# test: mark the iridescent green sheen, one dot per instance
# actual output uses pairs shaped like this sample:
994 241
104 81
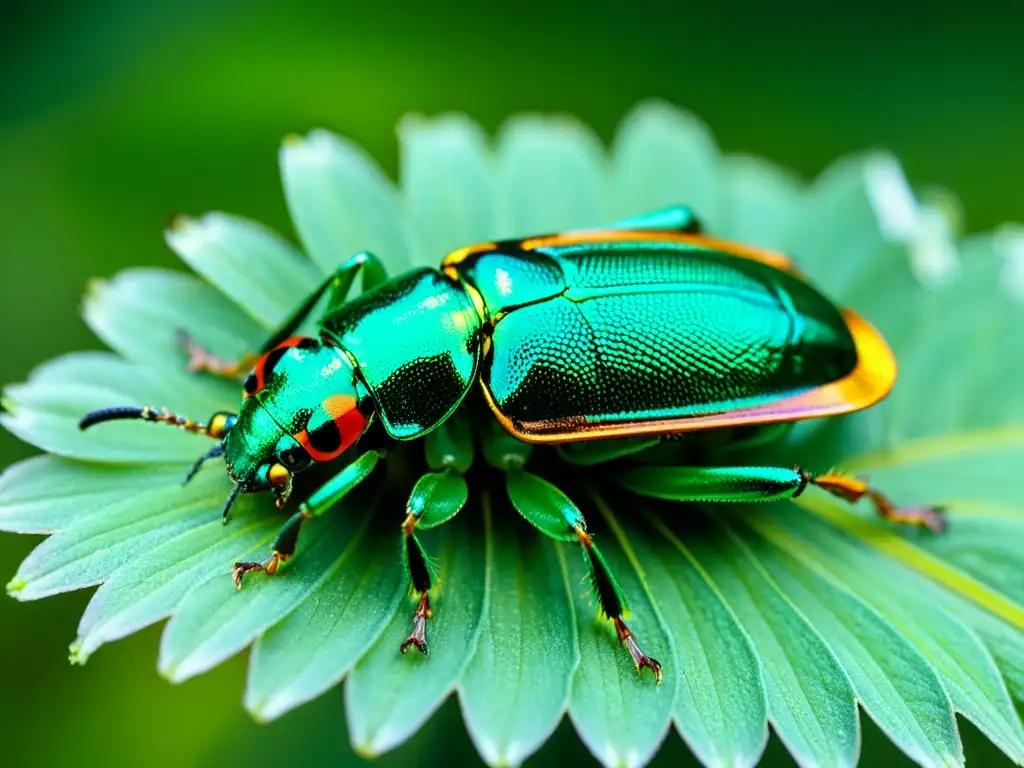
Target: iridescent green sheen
645 331
415 342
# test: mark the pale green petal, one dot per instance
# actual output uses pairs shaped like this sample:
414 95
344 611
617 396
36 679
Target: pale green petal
251 265
665 156
553 176
449 183
342 204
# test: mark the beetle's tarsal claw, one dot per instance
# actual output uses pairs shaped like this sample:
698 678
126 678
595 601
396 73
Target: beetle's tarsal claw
640 659
930 518
270 566
418 636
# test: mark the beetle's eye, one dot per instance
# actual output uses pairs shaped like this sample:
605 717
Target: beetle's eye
295 458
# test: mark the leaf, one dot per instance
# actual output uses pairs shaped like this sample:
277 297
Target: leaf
516 689
215 621
90 551
251 265
138 314
45 494
664 156
380 716
965 667
720 710
552 176
313 648
342 203
810 701
448 181
761 201
45 411
896 686
150 587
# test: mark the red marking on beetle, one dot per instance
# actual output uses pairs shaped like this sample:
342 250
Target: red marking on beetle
257 379
345 417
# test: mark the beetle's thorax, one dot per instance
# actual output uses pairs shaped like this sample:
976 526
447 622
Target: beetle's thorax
302 402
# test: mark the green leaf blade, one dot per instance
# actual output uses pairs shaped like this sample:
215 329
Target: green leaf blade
552 174
313 647
665 156
721 710
251 265
381 717
810 701
897 687
965 666
448 182
215 621
342 203
516 689
621 716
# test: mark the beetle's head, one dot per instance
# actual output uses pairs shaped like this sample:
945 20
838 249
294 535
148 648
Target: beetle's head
302 404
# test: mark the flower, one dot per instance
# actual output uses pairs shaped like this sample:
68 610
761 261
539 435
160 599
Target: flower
794 614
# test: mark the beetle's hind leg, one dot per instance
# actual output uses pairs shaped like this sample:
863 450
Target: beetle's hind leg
201 360
436 498
853 489
336 288
740 484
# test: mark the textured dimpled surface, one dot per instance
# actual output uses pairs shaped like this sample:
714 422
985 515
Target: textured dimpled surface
645 332
415 341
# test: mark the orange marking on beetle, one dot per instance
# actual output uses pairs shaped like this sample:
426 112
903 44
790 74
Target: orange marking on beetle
345 417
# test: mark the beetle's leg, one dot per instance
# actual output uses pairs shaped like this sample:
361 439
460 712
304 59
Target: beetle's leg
535 499
435 499
853 489
675 218
336 288
325 497
737 484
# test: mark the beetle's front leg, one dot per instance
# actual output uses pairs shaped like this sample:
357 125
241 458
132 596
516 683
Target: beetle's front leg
336 288
329 494
435 499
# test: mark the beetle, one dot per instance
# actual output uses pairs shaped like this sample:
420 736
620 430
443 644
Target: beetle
601 341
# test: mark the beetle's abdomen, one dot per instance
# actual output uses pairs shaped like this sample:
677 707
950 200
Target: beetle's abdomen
657 333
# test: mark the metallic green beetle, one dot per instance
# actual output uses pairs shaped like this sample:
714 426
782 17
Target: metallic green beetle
622 335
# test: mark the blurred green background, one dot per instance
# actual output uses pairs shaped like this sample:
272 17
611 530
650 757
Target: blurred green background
115 115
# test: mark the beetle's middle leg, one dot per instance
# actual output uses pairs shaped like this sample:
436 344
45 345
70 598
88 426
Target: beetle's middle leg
534 498
336 287
738 484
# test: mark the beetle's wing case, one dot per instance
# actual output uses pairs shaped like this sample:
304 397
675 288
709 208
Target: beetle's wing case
618 333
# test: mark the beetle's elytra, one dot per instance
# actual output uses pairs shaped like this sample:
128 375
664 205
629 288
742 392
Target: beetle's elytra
642 329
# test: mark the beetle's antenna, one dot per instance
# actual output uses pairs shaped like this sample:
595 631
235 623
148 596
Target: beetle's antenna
217 450
230 502
219 424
